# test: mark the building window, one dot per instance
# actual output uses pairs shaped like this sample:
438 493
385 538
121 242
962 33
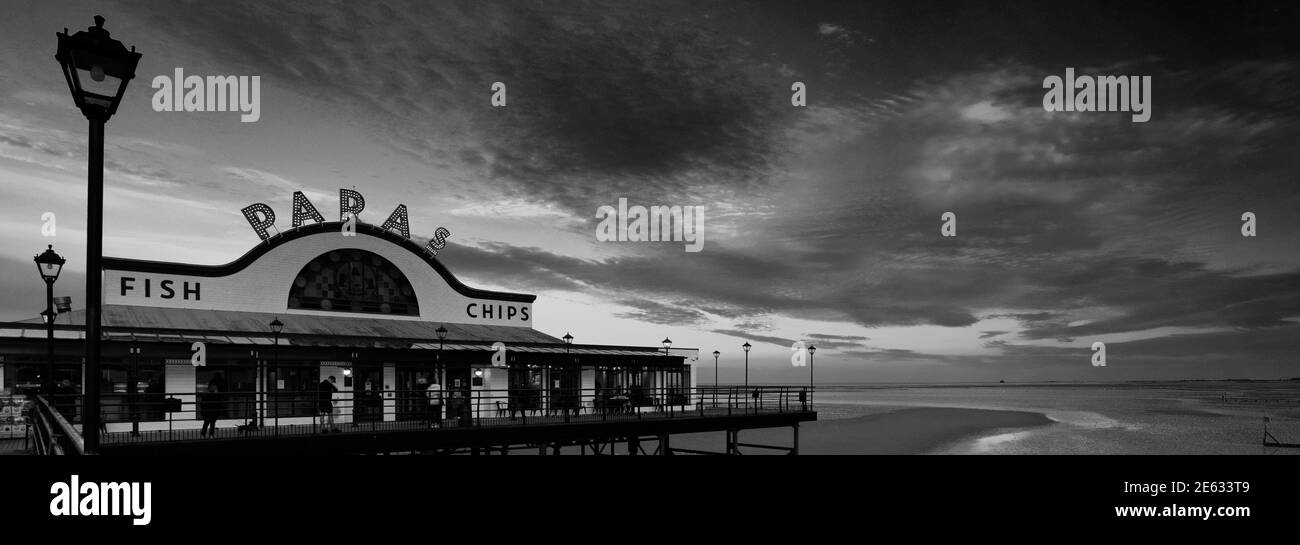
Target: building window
293 390
132 390
526 383
353 281
236 390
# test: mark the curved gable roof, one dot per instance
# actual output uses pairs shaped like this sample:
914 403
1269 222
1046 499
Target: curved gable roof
140 265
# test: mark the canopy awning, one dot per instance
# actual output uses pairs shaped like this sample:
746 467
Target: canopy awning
153 324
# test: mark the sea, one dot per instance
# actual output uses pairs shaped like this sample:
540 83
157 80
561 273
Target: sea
1186 417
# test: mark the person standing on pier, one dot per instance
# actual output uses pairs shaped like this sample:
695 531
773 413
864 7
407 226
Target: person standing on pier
325 402
434 415
209 407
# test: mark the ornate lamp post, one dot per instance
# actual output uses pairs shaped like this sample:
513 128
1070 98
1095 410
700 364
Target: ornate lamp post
97 69
746 348
50 265
667 343
811 370
568 340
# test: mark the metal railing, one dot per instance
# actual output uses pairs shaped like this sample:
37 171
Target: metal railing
50 432
153 417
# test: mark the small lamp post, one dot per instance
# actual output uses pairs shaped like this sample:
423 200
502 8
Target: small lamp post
50 265
262 377
667 343
715 367
47 381
442 336
568 340
133 390
276 327
97 69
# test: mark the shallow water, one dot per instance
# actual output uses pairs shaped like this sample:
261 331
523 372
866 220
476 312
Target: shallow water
1133 418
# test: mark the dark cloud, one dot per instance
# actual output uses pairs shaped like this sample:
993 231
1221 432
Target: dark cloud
824 337
753 326
603 99
752 338
1213 355
888 354
1172 294
835 342
655 312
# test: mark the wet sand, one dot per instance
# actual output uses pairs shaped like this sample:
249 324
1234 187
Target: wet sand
918 430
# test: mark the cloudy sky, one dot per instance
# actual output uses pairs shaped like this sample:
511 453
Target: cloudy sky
822 222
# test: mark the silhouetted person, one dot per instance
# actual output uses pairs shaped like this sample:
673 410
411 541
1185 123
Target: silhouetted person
210 409
434 408
325 403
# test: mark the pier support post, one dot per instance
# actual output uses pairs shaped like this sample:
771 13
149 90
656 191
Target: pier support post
795 451
633 445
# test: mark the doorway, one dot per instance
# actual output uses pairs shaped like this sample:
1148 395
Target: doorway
367 388
459 395
412 382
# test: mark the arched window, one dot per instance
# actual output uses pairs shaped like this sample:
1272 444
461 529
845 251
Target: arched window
353 281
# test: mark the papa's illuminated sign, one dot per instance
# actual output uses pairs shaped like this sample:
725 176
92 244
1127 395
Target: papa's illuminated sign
351 203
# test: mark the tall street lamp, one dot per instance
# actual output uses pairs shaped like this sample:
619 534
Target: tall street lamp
276 327
50 265
568 340
97 69
746 348
667 343
715 377
812 383
715 367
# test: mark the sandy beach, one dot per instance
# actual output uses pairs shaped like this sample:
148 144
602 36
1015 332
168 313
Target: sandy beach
919 430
